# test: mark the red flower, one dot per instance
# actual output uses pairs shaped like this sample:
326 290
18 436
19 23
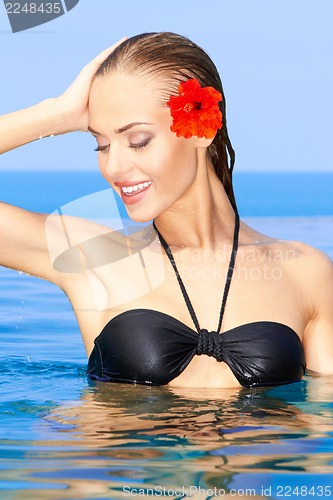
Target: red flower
195 111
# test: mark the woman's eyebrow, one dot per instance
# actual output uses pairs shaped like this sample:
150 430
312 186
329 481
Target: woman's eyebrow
93 131
130 125
120 130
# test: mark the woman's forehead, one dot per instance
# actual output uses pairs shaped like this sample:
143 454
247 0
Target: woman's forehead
124 86
120 99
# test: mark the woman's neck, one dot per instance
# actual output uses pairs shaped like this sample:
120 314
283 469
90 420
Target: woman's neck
202 217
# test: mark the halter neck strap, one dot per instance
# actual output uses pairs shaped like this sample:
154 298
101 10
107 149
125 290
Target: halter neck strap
228 279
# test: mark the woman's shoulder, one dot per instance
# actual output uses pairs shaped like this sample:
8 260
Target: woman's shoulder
302 256
313 261
310 269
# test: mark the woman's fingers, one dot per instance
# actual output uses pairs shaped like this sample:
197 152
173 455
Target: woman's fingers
97 61
88 71
74 101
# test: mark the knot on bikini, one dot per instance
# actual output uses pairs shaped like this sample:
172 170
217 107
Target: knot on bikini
209 343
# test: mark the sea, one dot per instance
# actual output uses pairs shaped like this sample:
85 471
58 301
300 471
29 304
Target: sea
65 437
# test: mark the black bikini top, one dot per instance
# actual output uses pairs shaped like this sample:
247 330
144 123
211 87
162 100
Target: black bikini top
150 347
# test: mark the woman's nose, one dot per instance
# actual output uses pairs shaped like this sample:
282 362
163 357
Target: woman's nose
116 165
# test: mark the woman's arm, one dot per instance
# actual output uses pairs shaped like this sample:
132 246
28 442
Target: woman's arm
29 124
59 115
23 243
318 336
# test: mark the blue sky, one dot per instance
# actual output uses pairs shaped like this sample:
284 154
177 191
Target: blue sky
274 57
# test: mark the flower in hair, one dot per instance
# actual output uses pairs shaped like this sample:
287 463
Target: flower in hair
195 111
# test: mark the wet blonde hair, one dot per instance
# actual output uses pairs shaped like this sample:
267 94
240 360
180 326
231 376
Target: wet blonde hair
175 58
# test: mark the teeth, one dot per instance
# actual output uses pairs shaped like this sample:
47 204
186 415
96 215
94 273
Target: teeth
135 187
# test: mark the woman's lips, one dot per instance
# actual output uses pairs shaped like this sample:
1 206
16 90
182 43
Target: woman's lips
132 193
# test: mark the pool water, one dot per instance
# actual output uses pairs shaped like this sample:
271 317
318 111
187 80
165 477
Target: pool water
63 436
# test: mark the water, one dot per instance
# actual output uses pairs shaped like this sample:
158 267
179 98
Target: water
258 194
62 436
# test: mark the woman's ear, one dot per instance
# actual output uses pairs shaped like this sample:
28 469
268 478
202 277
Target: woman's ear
202 142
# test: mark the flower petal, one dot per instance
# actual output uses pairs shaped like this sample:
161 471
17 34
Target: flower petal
195 111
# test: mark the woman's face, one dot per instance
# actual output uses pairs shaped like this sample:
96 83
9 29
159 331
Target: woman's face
145 163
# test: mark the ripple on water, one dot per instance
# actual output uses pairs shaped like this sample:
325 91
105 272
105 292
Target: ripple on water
62 436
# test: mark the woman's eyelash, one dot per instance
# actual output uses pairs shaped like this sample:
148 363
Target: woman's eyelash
136 147
101 148
139 147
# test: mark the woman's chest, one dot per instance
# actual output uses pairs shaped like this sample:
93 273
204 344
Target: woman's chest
257 291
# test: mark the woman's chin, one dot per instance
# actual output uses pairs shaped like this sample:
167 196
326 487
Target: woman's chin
140 217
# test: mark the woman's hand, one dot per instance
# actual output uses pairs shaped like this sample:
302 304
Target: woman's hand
53 116
73 103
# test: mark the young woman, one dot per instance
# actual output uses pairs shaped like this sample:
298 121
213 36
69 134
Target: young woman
155 104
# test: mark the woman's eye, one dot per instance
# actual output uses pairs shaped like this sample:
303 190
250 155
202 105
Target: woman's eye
139 146
102 149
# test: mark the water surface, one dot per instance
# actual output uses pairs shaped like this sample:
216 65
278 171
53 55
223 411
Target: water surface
62 436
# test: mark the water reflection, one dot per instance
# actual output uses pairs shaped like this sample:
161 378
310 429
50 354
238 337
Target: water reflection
121 436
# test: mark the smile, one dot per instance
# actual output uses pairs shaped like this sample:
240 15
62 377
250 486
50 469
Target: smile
131 190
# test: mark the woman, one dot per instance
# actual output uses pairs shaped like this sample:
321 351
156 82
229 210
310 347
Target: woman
157 110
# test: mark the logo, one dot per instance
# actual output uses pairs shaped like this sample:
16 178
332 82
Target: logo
120 260
24 15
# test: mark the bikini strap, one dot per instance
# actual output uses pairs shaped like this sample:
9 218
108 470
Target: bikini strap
228 279
230 270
